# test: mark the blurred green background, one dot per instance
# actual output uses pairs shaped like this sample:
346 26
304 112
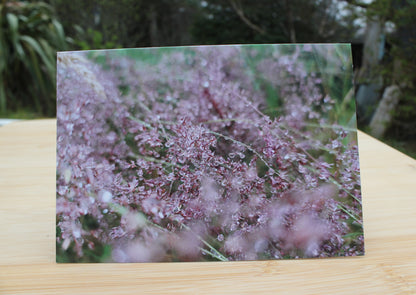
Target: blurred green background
382 33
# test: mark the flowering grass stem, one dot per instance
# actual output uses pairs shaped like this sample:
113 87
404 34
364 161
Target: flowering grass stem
247 147
345 210
214 252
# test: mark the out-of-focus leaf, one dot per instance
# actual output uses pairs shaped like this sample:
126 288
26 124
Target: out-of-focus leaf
60 35
49 52
36 47
13 23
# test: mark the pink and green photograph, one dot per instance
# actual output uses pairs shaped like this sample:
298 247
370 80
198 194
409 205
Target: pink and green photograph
207 153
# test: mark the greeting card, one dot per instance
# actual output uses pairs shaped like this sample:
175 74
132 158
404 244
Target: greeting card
207 153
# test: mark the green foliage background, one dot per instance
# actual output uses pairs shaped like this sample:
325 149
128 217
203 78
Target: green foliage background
32 31
30 35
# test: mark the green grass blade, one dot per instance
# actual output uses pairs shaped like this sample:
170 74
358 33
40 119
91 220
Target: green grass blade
13 24
38 49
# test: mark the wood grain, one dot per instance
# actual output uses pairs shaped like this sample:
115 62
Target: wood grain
27 236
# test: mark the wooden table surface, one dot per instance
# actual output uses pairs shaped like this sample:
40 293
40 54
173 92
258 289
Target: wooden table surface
27 236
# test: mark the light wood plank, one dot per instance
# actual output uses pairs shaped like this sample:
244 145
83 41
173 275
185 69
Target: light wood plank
27 236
